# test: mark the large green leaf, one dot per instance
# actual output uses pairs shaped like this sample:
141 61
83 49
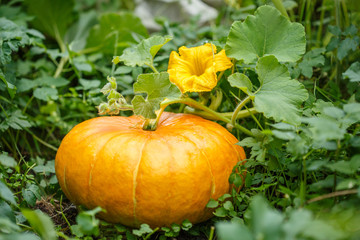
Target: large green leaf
266 33
41 223
51 17
143 53
279 96
6 194
77 34
115 26
157 86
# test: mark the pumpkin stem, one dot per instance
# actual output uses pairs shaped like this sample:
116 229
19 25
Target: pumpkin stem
151 124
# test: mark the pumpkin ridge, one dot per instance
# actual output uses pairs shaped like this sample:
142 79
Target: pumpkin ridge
135 177
213 187
169 162
95 156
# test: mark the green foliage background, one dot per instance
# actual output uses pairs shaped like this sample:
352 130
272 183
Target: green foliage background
303 161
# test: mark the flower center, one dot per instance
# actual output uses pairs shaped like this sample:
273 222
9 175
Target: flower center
199 67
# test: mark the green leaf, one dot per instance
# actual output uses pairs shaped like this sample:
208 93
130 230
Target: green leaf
283 126
6 194
6 211
46 93
355 162
353 72
87 222
232 231
89 84
9 86
143 107
334 30
115 26
51 81
41 223
175 227
8 226
76 230
82 66
212 204
346 184
19 236
76 36
238 181
257 149
12 37
16 120
266 32
350 31
241 81
123 70
144 229
322 231
279 96
333 112
143 53
346 46
341 166
325 128
7 161
284 135
186 225
298 221
352 116
223 197
313 58
157 86
31 193
220 212
228 206
52 17
265 221
26 84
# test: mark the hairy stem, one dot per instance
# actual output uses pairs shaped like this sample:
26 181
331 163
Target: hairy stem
151 124
206 115
238 108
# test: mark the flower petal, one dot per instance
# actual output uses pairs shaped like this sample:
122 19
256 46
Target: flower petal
193 83
222 62
194 69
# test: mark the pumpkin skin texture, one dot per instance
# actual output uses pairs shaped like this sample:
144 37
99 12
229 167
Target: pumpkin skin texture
156 177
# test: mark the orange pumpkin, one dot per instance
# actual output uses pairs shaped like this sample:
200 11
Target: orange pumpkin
155 177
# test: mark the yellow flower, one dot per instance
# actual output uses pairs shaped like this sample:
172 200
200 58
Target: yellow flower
194 70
